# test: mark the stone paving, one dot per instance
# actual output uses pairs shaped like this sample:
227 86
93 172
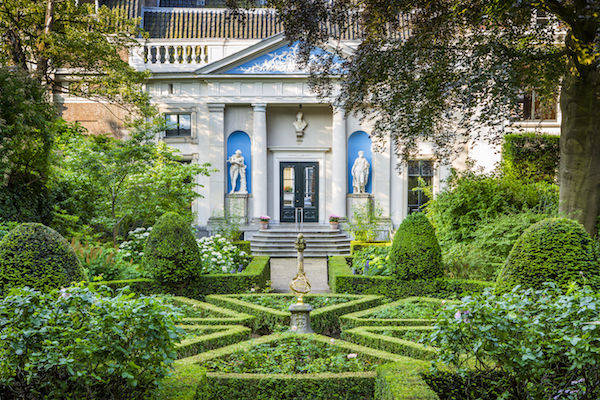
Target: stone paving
284 269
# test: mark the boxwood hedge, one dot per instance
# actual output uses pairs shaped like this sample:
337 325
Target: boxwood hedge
361 318
378 337
415 251
219 315
552 250
323 320
216 336
341 280
321 386
39 257
256 275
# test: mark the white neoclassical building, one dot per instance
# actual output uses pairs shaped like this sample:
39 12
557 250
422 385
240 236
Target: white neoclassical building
232 91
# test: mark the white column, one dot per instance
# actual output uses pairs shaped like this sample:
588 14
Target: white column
216 195
339 162
259 161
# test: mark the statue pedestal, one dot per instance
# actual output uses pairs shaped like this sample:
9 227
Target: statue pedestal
359 201
300 319
236 207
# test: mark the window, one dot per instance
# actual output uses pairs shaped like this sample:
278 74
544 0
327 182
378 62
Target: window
207 3
178 125
532 108
417 170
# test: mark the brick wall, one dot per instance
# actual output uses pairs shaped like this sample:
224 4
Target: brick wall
97 118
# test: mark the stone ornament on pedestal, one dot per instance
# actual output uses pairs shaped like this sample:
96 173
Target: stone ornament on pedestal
300 126
300 318
360 173
237 170
237 207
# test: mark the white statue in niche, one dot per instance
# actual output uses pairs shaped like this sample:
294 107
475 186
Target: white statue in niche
360 173
300 125
237 170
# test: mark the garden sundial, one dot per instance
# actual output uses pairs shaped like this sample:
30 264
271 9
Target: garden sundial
300 318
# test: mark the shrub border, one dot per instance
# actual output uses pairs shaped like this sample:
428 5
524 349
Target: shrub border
223 335
372 336
356 319
233 317
324 319
256 274
341 280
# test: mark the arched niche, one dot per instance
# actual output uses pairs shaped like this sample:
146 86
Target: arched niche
239 140
358 141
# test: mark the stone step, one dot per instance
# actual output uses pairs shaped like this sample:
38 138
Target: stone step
294 254
295 234
309 242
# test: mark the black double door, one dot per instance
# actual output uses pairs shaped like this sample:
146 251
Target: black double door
299 191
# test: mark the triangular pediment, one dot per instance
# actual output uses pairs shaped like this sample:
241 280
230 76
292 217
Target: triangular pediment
272 56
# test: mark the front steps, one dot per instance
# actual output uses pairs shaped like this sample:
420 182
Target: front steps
321 241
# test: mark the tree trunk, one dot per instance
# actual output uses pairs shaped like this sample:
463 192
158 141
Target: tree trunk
579 173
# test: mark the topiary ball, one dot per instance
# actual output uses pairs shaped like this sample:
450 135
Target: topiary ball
415 252
171 255
39 257
553 250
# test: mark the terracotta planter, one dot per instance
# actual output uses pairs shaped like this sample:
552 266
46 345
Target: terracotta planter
264 225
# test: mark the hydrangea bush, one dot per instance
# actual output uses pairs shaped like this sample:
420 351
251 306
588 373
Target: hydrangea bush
84 343
133 247
219 255
545 344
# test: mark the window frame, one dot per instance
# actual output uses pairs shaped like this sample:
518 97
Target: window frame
178 129
422 198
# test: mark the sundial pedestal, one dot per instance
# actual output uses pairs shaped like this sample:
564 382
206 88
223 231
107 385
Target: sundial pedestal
300 319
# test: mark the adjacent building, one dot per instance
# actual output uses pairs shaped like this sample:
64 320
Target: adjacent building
233 95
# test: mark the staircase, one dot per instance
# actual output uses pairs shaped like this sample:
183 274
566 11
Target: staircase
321 241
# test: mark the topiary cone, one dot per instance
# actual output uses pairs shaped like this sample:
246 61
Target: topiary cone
553 250
37 256
171 254
415 252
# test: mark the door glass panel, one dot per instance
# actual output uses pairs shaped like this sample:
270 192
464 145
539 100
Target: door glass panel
309 187
288 186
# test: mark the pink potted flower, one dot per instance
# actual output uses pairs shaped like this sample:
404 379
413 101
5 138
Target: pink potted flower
334 221
264 221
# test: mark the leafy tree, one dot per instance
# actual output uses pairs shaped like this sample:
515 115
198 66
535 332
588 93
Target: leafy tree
26 138
449 71
43 37
120 184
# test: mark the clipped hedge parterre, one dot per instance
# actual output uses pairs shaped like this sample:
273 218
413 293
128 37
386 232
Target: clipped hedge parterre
212 337
383 338
323 320
365 317
217 315
319 386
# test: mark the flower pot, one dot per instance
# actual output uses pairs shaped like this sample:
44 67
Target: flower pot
264 225
334 225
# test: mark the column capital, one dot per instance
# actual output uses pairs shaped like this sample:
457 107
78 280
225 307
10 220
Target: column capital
259 107
216 107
